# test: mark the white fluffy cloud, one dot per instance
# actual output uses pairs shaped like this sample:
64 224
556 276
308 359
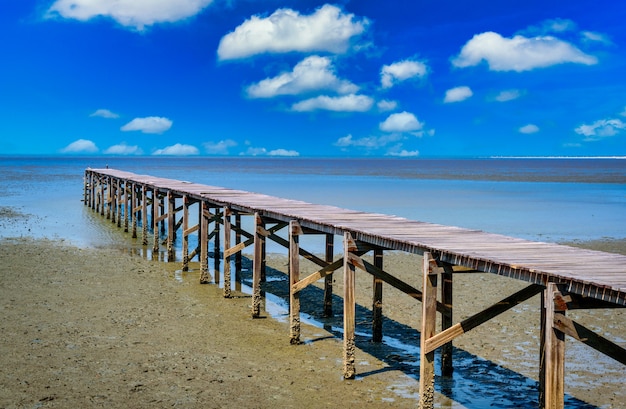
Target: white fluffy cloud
601 129
386 105
123 149
283 152
177 150
457 94
401 71
129 13
403 153
150 124
311 74
401 122
369 142
219 148
105 113
519 53
508 95
346 103
80 146
529 129
327 29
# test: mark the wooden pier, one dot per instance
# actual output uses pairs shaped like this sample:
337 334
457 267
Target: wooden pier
568 278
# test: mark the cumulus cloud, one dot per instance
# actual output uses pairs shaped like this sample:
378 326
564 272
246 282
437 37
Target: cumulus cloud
508 95
283 152
401 122
135 14
386 105
123 149
457 94
219 148
403 153
368 142
529 129
177 150
150 124
554 25
401 71
80 146
311 74
105 113
519 53
346 103
601 129
327 29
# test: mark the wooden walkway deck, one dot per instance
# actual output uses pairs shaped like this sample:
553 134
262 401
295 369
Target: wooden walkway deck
568 277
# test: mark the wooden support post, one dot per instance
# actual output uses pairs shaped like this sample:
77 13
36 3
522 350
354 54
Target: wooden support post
294 276
144 215
185 234
163 211
238 258
349 308
102 199
119 203
429 319
107 201
328 279
257 264
227 256
377 300
204 242
446 319
554 351
155 222
171 225
216 247
133 213
113 200
127 206
263 255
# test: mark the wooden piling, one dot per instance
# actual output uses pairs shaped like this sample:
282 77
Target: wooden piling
294 276
554 351
328 279
447 367
227 256
185 233
429 319
204 243
257 264
349 308
377 299
171 225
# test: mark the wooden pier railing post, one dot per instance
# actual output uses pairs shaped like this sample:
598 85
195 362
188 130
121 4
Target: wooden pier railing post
257 264
554 351
349 308
227 256
377 300
429 319
294 276
328 279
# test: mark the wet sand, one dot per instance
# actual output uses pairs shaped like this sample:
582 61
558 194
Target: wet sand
107 328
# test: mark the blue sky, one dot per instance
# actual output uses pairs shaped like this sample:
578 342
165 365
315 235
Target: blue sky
309 78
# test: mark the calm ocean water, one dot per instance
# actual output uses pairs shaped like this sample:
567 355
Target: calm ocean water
537 199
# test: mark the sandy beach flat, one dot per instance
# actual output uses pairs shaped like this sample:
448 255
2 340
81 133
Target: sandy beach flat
106 328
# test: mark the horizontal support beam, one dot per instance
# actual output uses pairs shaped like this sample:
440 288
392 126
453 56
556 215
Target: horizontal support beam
474 321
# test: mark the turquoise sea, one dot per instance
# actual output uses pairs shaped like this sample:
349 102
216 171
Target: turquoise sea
538 199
